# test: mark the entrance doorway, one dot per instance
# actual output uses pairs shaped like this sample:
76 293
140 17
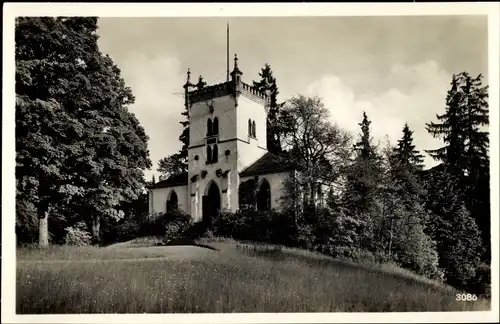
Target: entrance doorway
211 203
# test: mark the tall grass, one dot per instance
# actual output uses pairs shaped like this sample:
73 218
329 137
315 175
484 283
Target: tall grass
148 280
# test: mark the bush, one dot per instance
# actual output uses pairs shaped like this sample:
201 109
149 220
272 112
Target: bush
129 229
481 284
175 224
78 235
252 225
416 251
227 224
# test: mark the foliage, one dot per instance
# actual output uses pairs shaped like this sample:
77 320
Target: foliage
172 165
175 224
274 130
78 235
317 148
127 230
364 177
77 145
463 129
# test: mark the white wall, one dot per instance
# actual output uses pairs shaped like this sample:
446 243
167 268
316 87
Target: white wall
277 185
250 150
158 199
224 111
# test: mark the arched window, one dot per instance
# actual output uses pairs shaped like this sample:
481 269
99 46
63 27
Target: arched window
254 133
209 127
172 202
249 127
215 153
209 153
215 126
264 196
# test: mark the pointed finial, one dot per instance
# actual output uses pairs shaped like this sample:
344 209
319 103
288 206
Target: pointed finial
236 71
188 82
201 83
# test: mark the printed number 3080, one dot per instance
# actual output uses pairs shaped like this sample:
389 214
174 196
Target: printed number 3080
466 297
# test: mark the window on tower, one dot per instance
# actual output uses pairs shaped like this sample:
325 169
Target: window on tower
254 133
209 154
249 127
215 126
212 154
215 154
209 127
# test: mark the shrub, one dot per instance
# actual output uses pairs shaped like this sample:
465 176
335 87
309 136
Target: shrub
153 225
175 224
78 235
481 284
252 225
128 230
227 224
414 250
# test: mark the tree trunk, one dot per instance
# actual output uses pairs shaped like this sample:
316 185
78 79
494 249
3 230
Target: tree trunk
390 240
43 228
96 227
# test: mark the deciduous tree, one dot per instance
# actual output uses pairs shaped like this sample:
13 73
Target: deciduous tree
78 147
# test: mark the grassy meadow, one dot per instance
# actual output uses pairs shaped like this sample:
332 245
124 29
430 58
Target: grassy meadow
140 278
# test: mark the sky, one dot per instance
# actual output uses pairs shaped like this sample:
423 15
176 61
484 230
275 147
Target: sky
397 68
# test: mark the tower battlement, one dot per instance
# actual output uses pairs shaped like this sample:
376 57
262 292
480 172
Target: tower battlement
227 88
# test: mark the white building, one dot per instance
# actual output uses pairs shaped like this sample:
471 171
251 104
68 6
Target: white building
227 146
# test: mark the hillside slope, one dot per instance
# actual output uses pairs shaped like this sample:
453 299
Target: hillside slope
236 278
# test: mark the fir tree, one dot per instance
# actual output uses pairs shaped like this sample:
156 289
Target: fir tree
364 178
406 163
465 153
274 134
405 152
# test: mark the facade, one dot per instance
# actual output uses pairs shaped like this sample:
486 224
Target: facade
227 148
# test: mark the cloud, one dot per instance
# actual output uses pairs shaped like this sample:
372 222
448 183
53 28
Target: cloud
156 82
412 94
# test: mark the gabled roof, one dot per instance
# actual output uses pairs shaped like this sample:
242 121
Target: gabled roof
180 179
268 163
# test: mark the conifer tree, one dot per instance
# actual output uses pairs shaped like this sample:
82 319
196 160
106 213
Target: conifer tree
274 134
406 164
405 215
364 178
465 153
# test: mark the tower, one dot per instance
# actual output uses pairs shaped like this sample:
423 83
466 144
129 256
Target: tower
227 124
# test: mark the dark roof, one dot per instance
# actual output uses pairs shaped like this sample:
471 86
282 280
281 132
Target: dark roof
175 180
268 163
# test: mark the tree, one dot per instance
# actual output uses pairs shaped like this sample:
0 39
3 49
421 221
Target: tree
171 165
318 148
274 133
455 231
465 153
364 173
406 164
178 162
363 187
402 231
79 151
